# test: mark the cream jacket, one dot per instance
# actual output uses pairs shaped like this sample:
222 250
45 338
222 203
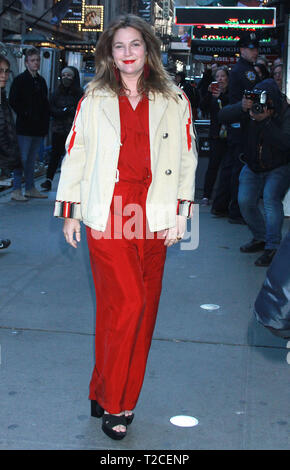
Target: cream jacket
89 170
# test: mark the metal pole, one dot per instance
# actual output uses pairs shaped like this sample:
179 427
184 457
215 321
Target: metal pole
40 18
1 24
286 59
7 8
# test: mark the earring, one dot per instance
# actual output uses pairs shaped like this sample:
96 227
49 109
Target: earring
146 70
116 72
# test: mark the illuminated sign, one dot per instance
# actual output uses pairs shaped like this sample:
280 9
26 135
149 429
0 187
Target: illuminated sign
93 18
234 17
144 9
87 17
227 48
75 14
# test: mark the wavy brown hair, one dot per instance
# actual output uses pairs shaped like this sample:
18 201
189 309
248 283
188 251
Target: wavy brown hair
157 81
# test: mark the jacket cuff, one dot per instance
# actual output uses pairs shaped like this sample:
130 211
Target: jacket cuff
67 209
184 207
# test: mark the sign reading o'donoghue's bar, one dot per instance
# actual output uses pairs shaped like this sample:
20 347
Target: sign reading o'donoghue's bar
227 48
234 17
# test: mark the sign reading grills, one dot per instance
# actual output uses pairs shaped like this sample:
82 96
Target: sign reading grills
234 17
144 9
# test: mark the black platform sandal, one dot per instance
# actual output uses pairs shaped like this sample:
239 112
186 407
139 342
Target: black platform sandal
109 422
97 412
129 418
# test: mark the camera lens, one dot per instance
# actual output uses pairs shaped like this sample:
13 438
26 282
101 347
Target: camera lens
257 108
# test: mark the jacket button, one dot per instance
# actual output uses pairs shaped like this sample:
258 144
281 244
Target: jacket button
168 172
165 135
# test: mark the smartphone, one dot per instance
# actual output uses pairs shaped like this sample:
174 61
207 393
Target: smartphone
214 87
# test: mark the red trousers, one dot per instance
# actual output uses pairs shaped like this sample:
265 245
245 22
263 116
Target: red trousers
128 277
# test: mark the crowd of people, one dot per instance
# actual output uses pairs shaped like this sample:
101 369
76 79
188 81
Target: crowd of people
249 146
21 142
133 109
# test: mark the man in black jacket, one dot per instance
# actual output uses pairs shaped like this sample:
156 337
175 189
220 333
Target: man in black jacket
266 173
28 98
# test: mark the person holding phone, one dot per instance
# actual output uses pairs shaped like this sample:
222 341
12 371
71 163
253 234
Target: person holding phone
215 99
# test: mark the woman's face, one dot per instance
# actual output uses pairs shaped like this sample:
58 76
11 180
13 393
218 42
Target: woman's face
129 52
277 75
4 74
222 79
259 73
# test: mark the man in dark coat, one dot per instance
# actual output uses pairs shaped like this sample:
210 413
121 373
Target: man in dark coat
28 98
189 90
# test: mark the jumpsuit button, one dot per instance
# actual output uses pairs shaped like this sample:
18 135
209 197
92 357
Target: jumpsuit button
168 172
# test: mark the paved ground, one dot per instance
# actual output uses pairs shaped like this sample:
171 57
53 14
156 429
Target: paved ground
220 367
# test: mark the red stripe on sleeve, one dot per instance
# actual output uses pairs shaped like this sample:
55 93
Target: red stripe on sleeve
72 140
189 143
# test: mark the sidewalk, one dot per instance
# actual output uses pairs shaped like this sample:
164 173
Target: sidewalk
220 367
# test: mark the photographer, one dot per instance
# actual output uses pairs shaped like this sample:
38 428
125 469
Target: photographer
265 124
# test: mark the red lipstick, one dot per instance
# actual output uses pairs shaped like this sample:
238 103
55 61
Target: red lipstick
128 61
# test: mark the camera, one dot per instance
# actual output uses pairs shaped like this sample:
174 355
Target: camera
259 98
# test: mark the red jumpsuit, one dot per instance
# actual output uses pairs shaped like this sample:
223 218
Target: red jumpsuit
127 270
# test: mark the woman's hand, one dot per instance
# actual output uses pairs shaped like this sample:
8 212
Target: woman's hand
72 227
246 104
216 93
175 234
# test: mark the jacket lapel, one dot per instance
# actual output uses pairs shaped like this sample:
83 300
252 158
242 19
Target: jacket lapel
157 107
111 110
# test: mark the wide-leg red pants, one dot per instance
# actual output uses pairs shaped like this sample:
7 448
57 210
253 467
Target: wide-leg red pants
128 278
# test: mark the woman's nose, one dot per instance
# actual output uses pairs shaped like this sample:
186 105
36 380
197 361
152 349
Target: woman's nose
128 50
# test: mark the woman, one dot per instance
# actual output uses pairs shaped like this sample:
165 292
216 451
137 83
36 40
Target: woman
9 150
216 98
278 75
130 150
262 71
63 104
